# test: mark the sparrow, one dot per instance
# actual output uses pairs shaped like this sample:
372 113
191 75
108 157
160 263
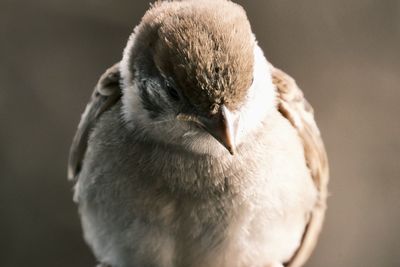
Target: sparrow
195 151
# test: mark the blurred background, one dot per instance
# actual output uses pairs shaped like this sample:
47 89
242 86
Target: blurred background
344 55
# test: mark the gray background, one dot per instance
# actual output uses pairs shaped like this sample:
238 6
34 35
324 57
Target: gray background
344 54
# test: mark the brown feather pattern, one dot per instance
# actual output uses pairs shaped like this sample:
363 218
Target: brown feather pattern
106 93
206 46
294 107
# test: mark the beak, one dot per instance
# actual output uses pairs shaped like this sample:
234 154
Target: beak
222 126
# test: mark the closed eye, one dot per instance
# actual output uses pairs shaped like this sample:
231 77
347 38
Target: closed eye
172 92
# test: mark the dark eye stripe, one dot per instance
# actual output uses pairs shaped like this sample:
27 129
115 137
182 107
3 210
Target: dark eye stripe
172 92
149 103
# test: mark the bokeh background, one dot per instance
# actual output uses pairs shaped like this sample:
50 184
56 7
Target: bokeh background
344 54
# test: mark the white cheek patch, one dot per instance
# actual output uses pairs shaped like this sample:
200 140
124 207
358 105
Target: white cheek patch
124 67
130 100
261 98
132 107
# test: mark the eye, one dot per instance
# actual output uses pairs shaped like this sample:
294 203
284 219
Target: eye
172 91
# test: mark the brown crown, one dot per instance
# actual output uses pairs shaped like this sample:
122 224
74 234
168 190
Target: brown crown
205 46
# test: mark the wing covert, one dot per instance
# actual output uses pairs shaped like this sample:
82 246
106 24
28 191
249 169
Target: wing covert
295 108
106 93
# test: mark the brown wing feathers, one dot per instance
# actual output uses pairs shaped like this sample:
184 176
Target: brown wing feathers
299 112
106 93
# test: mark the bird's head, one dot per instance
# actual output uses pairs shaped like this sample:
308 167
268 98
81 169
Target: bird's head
187 71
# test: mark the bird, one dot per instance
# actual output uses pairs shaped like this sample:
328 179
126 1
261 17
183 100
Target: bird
195 151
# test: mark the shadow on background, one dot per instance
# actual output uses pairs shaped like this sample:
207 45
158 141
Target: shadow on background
344 54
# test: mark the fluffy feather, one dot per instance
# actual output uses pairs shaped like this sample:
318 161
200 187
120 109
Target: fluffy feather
154 191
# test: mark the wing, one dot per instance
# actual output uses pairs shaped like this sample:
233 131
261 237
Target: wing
294 107
106 93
